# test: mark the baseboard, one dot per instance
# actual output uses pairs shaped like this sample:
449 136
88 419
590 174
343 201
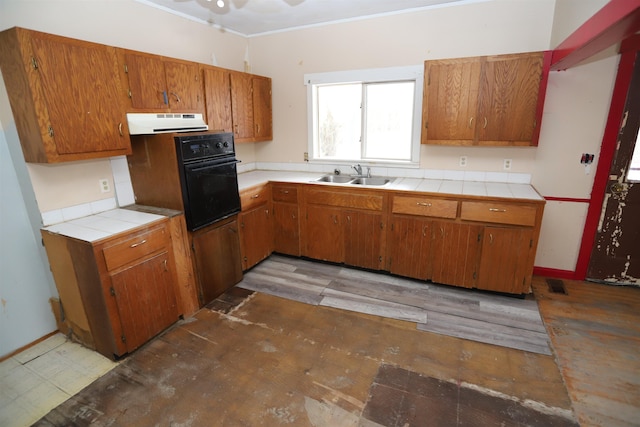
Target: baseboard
555 273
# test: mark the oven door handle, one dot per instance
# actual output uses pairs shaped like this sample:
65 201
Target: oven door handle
195 167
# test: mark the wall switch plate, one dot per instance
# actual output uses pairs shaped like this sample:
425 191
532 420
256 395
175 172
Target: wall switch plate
463 161
104 185
507 164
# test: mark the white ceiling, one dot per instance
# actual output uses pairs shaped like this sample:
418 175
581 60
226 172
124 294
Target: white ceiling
250 17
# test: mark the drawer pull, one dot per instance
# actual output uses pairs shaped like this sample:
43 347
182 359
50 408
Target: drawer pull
255 196
284 191
497 210
138 244
424 204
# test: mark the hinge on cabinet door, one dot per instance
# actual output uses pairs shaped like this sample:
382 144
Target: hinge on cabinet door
474 275
391 226
193 247
426 125
34 63
129 93
126 68
123 338
50 130
479 237
531 243
381 225
112 291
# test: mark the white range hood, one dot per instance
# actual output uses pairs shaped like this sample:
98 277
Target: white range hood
152 123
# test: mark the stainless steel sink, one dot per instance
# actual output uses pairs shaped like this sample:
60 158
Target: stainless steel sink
338 179
375 180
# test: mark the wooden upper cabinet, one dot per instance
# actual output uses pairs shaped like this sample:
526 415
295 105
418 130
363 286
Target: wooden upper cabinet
493 100
157 84
217 94
262 109
65 97
251 107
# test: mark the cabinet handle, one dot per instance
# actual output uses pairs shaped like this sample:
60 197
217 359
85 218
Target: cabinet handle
470 121
255 196
348 219
284 191
293 216
335 219
484 126
491 238
120 129
176 96
257 128
164 96
442 232
424 204
266 212
138 244
497 210
164 263
424 231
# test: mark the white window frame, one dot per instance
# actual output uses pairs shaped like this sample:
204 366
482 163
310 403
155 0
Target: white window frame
375 75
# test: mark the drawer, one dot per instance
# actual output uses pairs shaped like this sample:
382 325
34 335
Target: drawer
254 196
425 206
132 248
284 193
501 213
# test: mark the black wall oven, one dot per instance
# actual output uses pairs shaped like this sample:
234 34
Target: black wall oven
208 177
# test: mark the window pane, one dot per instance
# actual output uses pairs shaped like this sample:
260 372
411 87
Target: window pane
339 121
389 108
634 169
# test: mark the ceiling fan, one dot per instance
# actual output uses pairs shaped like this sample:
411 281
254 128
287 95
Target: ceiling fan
224 6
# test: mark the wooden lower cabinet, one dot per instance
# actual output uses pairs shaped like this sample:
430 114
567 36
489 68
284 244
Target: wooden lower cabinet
410 247
504 262
119 292
363 231
324 237
455 253
256 235
286 228
217 258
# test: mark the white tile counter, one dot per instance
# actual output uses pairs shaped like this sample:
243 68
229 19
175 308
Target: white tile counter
442 186
102 225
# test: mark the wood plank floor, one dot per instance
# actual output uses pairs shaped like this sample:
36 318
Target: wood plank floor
469 314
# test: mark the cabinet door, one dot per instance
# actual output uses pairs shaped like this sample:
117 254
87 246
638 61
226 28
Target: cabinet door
509 89
217 87
218 260
410 247
286 236
262 111
363 239
242 106
503 264
450 101
147 83
456 248
145 299
81 86
324 233
184 86
256 238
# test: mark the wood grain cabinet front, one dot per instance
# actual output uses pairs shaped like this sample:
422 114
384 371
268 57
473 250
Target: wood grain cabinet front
251 107
119 292
256 225
489 100
156 83
286 219
65 95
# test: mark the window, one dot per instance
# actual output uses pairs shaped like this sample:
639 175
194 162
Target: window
634 167
370 116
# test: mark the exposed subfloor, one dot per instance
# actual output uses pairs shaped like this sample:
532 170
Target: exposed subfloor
252 359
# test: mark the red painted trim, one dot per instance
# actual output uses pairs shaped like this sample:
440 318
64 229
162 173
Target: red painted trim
630 43
554 273
616 21
566 199
542 93
607 152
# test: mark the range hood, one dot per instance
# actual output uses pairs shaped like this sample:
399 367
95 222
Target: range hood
152 123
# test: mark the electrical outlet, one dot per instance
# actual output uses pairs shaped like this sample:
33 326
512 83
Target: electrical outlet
306 156
104 185
507 164
463 161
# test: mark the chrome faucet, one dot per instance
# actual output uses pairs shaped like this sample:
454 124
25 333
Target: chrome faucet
358 169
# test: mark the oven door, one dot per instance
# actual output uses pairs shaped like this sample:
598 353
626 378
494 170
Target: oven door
210 191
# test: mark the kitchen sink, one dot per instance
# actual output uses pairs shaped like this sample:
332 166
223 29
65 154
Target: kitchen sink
338 179
370 181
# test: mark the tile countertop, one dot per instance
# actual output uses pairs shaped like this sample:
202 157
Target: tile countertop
104 224
442 186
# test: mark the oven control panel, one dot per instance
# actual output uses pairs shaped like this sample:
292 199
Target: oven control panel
200 146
